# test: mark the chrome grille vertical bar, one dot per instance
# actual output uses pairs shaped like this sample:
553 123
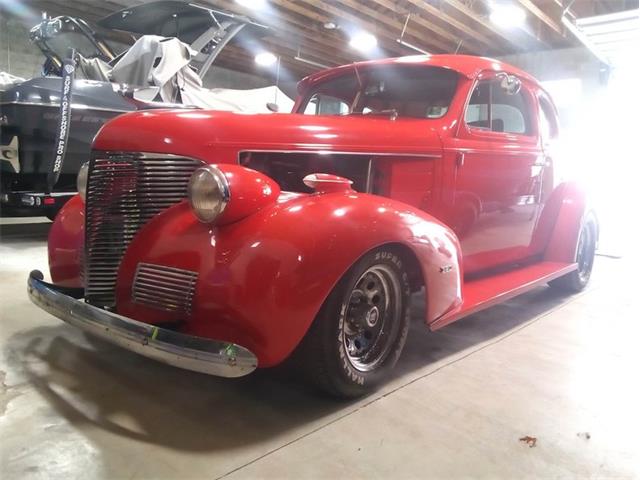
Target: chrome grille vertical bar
164 288
124 191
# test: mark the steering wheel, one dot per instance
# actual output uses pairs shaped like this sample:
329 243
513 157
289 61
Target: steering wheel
51 68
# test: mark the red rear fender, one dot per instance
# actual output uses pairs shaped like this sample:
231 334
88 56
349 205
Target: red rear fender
568 215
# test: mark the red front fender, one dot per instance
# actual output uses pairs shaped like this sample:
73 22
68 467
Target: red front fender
262 280
66 244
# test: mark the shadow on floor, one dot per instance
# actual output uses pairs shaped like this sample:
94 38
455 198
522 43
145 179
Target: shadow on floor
92 383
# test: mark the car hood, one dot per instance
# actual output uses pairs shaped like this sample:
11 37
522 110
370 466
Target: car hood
218 137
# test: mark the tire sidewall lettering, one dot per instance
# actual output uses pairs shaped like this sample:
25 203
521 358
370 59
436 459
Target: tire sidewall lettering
352 374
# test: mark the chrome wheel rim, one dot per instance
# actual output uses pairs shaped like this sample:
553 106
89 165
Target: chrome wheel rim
585 254
370 317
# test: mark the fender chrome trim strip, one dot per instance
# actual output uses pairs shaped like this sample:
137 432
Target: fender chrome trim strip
199 354
324 151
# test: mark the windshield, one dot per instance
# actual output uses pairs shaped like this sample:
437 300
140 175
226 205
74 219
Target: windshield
57 35
61 43
402 90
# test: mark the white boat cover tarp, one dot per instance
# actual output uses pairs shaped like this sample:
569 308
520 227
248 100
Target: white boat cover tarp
7 80
163 63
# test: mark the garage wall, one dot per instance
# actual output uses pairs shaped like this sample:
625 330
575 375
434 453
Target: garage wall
597 131
17 55
573 76
224 78
560 63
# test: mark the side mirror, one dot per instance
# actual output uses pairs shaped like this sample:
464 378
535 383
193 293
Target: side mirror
273 107
509 83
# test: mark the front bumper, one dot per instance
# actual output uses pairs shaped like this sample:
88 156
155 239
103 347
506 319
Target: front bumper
199 354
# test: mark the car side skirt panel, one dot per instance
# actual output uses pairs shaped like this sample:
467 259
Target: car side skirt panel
482 293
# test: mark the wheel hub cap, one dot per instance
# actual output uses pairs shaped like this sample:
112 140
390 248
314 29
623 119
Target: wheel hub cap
372 317
371 310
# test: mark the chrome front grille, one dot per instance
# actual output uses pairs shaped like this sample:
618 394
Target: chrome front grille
165 288
124 192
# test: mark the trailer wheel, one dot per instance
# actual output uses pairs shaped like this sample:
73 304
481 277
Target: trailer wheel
360 332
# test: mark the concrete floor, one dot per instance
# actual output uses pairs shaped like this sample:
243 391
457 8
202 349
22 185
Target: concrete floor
562 370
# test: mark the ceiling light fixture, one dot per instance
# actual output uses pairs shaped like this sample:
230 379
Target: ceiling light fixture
265 59
402 41
253 4
363 41
331 25
507 15
300 58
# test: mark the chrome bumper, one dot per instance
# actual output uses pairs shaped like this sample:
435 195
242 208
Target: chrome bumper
184 351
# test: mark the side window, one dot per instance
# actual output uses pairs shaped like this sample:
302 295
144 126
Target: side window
326 105
477 114
495 108
510 113
548 123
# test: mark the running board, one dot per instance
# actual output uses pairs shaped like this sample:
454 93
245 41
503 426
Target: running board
485 292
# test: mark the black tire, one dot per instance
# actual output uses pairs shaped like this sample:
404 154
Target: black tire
577 280
360 332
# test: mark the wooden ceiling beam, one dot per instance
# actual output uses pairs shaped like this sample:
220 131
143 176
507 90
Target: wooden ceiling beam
395 25
305 35
537 30
468 32
484 22
335 15
321 19
290 50
542 16
388 18
75 9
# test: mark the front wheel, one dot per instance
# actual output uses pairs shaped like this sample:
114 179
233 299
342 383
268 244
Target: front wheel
359 333
577 280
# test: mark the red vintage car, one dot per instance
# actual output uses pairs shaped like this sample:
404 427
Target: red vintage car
222 242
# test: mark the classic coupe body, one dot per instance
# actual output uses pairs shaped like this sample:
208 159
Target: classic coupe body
222 242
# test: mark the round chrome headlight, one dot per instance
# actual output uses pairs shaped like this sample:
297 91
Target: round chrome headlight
81 182
208 193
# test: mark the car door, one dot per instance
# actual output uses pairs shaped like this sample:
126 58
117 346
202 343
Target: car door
498 166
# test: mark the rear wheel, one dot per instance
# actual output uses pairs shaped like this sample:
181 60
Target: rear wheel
358 336
577 280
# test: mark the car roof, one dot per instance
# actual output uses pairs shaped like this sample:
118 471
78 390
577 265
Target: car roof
467 65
